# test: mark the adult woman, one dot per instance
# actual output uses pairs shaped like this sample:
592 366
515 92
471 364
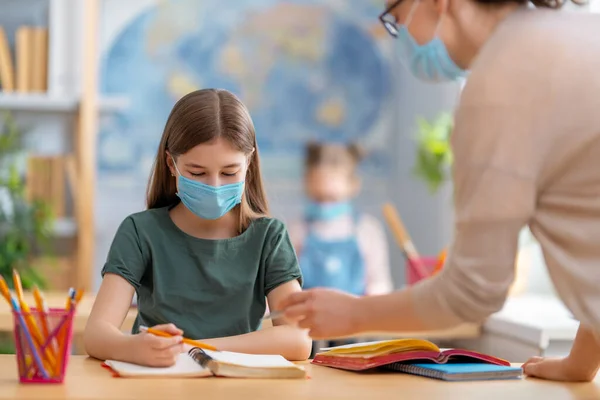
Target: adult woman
527 152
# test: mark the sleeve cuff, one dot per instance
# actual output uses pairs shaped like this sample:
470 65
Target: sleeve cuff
122 272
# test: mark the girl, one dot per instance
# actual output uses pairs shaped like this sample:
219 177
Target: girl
204 255
339 248
526 146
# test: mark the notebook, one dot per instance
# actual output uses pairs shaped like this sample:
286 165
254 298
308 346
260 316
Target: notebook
198 363
369 355
460 371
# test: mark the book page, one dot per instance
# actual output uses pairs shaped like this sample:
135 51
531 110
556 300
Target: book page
377 348
185 366
250 360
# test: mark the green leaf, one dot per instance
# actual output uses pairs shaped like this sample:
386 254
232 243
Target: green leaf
434 154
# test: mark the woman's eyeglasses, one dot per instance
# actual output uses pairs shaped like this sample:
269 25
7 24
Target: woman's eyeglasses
388 20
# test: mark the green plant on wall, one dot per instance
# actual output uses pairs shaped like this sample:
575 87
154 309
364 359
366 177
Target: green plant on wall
25 227
434 155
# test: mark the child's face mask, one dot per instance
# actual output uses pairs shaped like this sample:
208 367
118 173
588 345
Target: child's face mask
206 201
327 211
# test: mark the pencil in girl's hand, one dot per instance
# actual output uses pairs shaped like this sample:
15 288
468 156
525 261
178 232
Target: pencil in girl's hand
274 315
191 342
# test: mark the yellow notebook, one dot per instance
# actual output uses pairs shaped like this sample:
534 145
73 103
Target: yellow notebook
379 348
198 363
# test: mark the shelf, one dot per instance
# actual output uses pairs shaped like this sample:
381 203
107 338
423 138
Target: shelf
64 227
49 103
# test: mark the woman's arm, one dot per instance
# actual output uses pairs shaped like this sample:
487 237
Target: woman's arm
289 341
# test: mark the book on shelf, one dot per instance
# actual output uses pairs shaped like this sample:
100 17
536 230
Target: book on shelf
46 179
200 363
27 70
7 72
417 356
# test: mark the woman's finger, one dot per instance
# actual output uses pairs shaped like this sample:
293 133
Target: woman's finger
295 298
297 312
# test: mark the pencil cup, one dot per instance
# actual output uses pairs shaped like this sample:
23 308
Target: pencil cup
421 268
43 344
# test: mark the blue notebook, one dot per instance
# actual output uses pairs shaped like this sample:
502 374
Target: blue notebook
459 371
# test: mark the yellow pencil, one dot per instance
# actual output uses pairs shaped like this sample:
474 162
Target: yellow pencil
62 335
78 296
5 291
42 308
30 321
191 342
44 312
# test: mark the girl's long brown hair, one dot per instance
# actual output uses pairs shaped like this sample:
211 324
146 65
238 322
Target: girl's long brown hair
200 117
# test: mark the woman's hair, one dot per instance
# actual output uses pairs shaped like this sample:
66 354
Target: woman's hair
538 3
334 155
200 117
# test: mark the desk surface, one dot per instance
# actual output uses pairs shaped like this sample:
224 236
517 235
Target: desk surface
87 380
55 299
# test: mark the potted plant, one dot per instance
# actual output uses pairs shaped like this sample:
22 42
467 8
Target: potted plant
434 156
25 226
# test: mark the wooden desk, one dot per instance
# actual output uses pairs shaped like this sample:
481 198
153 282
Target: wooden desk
87 380
58 300
464 331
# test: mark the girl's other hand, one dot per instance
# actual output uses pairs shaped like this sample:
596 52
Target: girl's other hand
156 351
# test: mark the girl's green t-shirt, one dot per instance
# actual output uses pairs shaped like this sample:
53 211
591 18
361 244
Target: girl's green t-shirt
207 288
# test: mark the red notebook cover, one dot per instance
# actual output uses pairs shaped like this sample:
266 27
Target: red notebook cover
361 364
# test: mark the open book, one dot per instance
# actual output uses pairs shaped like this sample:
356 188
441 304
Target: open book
387 353
199 363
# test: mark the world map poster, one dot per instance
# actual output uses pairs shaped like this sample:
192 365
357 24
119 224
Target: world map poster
305 69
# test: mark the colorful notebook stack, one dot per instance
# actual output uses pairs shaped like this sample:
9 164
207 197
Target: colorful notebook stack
418 357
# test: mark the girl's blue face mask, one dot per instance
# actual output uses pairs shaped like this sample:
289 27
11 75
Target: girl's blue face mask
327 211
206 201
430 61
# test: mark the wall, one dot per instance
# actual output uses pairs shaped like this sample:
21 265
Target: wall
419 210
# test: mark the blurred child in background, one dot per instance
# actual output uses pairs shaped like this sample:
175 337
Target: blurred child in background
338 247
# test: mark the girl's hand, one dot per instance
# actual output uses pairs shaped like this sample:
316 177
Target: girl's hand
557 369
155 351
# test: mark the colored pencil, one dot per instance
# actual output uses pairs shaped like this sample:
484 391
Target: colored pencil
29 339
32 325
44 312
62 335
191 342
43 309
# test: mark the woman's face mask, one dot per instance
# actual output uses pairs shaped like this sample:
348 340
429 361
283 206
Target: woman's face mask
429 61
